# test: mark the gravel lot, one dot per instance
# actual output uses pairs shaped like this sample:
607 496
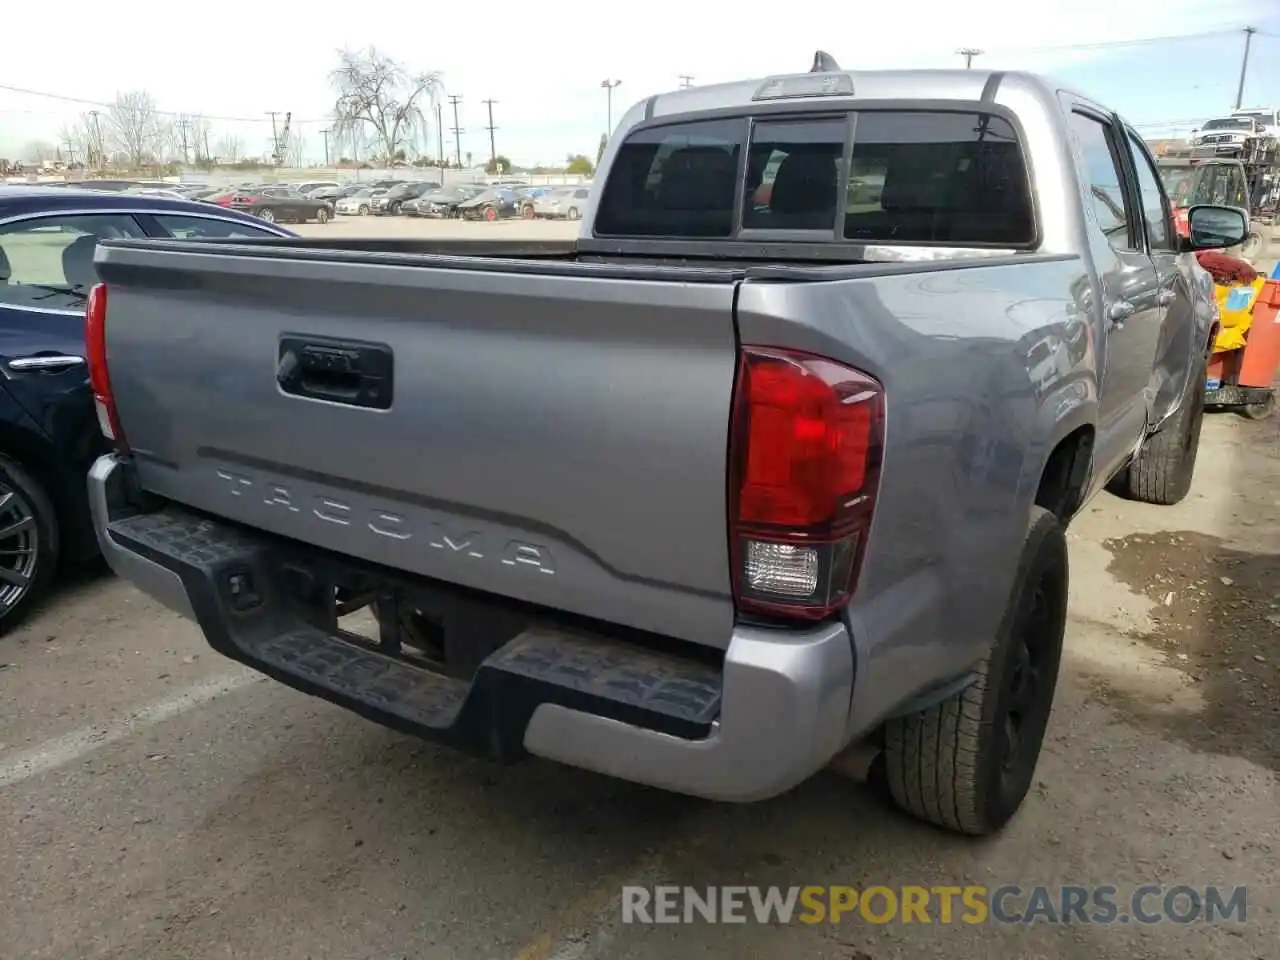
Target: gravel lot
159 802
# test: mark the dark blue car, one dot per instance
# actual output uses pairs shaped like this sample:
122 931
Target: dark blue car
49 433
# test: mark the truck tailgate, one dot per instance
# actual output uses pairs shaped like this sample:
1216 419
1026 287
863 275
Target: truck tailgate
555 435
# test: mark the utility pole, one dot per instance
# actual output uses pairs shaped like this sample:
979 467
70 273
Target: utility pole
969 53
95 158
686 81
183 125
493 150
325 133
456 99
1244 64
71 150
608 89
440 138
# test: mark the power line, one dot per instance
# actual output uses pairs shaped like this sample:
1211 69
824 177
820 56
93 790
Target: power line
83 101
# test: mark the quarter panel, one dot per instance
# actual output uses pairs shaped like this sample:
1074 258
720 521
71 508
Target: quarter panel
972 413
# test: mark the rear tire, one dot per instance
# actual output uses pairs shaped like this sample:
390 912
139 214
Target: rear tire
1260 410
967 763
267 214
364 209
29 543
1162 471
573 213
322 215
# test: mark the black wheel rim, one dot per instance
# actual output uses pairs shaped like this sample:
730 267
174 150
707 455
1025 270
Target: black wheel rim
1025 697
19 547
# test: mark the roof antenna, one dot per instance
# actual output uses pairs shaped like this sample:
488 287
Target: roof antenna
824 62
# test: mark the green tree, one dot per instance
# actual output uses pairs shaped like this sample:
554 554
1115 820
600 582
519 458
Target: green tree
580 163
498 164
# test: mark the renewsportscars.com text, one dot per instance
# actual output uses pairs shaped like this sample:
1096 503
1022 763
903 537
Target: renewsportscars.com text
1007 904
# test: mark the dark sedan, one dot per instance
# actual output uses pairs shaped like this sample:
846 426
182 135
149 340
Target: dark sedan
48 422
281 203
495 204
392 203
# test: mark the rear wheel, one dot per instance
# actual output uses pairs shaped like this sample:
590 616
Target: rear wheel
967 763
1260 410
364 209
267 214
29 542
322 215
1162 471
573 213
394 209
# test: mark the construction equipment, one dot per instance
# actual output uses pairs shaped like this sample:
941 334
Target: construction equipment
1246 357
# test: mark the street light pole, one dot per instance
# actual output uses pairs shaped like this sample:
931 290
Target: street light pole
608 88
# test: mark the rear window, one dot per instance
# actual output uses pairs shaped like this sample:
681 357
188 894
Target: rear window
914 177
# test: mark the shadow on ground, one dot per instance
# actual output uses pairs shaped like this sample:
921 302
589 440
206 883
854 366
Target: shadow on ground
1216 613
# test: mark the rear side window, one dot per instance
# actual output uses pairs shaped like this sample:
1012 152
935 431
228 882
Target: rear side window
674 181
793 174
954 178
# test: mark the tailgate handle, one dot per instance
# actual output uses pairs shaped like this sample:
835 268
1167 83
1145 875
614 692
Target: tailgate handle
348 372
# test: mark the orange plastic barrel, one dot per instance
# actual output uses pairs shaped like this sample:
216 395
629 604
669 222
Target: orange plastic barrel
1261 357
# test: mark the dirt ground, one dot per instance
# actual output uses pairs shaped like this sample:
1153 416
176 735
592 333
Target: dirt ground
158 802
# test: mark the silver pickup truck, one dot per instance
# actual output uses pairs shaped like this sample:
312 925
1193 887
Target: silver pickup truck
773 461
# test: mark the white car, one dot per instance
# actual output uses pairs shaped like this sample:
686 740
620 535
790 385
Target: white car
1226 136
359 203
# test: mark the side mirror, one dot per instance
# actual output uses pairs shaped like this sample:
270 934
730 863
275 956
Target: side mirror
1211 227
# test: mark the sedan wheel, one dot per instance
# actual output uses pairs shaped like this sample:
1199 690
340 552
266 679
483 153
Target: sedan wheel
28 542
364 209
322 215
267 214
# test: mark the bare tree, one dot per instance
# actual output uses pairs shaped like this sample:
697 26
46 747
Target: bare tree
295 148
37 151
199 136
377 94
76 141
135 126
229 147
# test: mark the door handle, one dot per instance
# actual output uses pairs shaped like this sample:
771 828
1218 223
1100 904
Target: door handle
59 361
1120 311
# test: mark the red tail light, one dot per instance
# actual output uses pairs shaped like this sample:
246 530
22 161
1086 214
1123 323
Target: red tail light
95 342
804 471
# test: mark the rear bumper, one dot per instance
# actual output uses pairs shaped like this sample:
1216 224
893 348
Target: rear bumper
771 715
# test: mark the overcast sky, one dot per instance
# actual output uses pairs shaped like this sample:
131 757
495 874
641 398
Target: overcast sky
544 64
